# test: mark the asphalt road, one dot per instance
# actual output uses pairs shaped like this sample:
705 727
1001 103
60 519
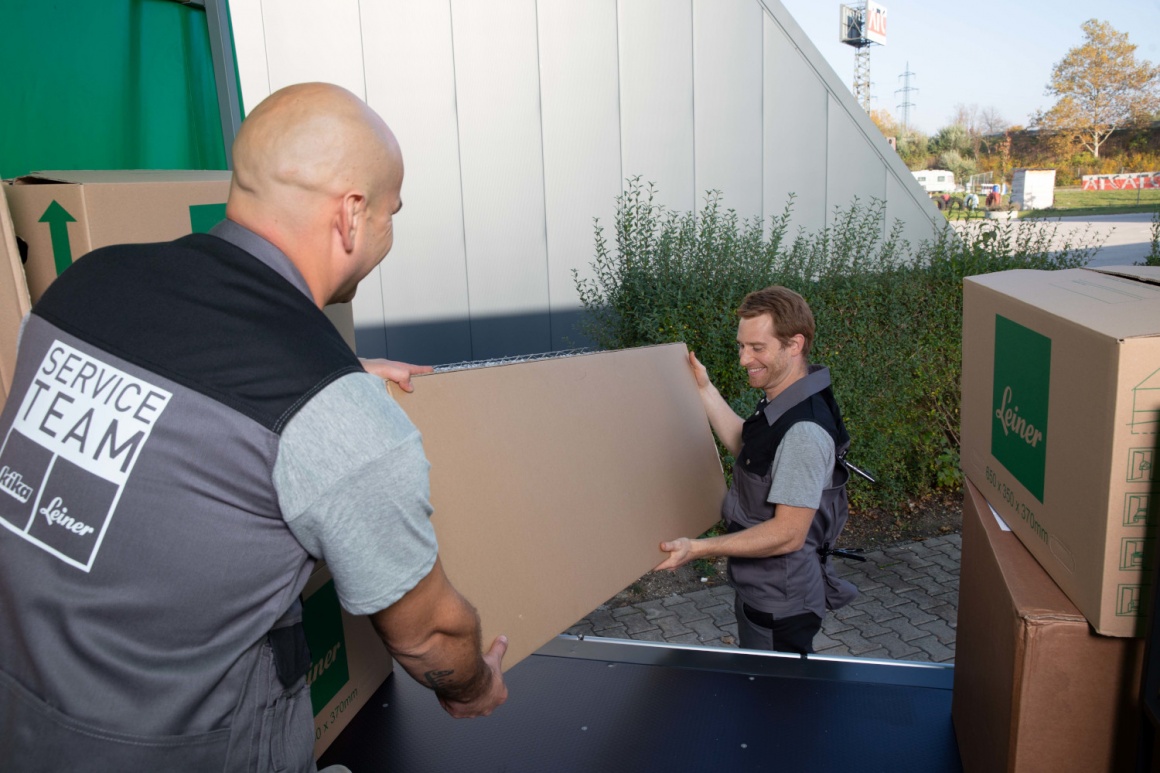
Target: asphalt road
1124 239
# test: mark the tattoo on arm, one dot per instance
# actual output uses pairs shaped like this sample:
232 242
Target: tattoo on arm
438 679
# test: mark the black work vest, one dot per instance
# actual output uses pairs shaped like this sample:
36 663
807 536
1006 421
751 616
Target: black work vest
802 581
144 559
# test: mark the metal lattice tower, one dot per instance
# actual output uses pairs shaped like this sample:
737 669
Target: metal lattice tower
854 34
906 104
862 76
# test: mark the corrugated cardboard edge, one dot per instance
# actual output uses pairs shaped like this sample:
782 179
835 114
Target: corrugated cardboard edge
14 302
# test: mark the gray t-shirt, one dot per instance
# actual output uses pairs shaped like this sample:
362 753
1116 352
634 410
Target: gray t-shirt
802 466
352 480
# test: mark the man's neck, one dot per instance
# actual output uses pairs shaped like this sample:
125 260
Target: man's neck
800 370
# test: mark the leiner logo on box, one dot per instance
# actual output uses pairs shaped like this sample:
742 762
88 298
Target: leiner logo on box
322 620
1019 408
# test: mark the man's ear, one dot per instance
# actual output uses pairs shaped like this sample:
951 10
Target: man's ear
797 343
350 218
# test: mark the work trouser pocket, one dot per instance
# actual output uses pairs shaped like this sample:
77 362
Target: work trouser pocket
37 737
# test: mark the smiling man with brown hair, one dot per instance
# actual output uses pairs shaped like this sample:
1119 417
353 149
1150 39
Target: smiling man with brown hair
787 504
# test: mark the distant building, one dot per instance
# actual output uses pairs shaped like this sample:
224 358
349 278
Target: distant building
935 180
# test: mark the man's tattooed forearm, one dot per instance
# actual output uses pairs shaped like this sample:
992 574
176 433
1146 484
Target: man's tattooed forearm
438 679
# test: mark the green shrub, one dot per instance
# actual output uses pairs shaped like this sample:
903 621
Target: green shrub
889 314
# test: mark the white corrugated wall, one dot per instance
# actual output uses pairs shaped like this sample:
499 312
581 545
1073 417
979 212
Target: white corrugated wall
520 121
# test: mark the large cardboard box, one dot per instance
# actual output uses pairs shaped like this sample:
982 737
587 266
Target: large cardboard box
1060 422
14 301
348 659
1035 689
63 215
554 481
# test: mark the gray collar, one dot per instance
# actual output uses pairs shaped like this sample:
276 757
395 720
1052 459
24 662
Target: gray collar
260 248
816 379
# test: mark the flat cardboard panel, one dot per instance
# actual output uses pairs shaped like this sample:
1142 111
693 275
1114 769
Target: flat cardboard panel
348 659
1035 689
1078 498
14 302
554 481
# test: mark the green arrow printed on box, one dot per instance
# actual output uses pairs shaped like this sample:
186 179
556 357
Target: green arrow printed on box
58 219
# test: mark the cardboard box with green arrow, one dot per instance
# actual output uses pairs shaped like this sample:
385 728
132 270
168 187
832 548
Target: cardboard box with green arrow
63 215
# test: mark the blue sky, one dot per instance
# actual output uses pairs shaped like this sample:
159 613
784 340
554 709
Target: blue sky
983 52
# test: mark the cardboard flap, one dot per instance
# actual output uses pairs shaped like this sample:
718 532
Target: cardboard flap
116 176
554 481
1118 304
1150 274
1036 599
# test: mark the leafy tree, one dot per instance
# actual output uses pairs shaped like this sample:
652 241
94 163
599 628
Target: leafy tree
991 122
913 149
953 137
952 161
1101 87
885 122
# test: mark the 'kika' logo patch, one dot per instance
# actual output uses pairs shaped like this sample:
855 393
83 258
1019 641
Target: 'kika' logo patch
71 449
1020 402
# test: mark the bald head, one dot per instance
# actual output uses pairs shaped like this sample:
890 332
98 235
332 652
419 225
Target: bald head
313 138
313 163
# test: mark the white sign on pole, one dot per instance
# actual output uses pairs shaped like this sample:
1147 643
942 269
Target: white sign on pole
875 29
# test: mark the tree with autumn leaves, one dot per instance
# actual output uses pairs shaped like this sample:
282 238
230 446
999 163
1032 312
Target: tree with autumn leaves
1101 88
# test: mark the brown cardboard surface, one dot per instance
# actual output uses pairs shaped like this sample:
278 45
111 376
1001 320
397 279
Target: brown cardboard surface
1087 525
14 301
554 481
103 208
348 659
1035 689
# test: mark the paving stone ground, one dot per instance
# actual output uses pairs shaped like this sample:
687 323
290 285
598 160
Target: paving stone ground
907 609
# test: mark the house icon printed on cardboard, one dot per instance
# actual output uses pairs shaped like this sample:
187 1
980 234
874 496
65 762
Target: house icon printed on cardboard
1146 406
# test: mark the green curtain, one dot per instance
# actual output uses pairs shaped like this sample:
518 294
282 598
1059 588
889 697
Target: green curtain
114 84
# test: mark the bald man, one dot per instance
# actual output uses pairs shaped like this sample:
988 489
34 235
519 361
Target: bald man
186 435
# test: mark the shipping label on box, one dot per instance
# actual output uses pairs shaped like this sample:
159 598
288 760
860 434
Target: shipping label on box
63 215
1060 423
348 659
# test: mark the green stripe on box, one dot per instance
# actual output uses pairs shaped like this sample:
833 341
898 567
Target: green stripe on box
322 619
203 217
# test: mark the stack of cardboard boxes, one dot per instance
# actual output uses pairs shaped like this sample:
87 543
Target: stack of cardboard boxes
1060 424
